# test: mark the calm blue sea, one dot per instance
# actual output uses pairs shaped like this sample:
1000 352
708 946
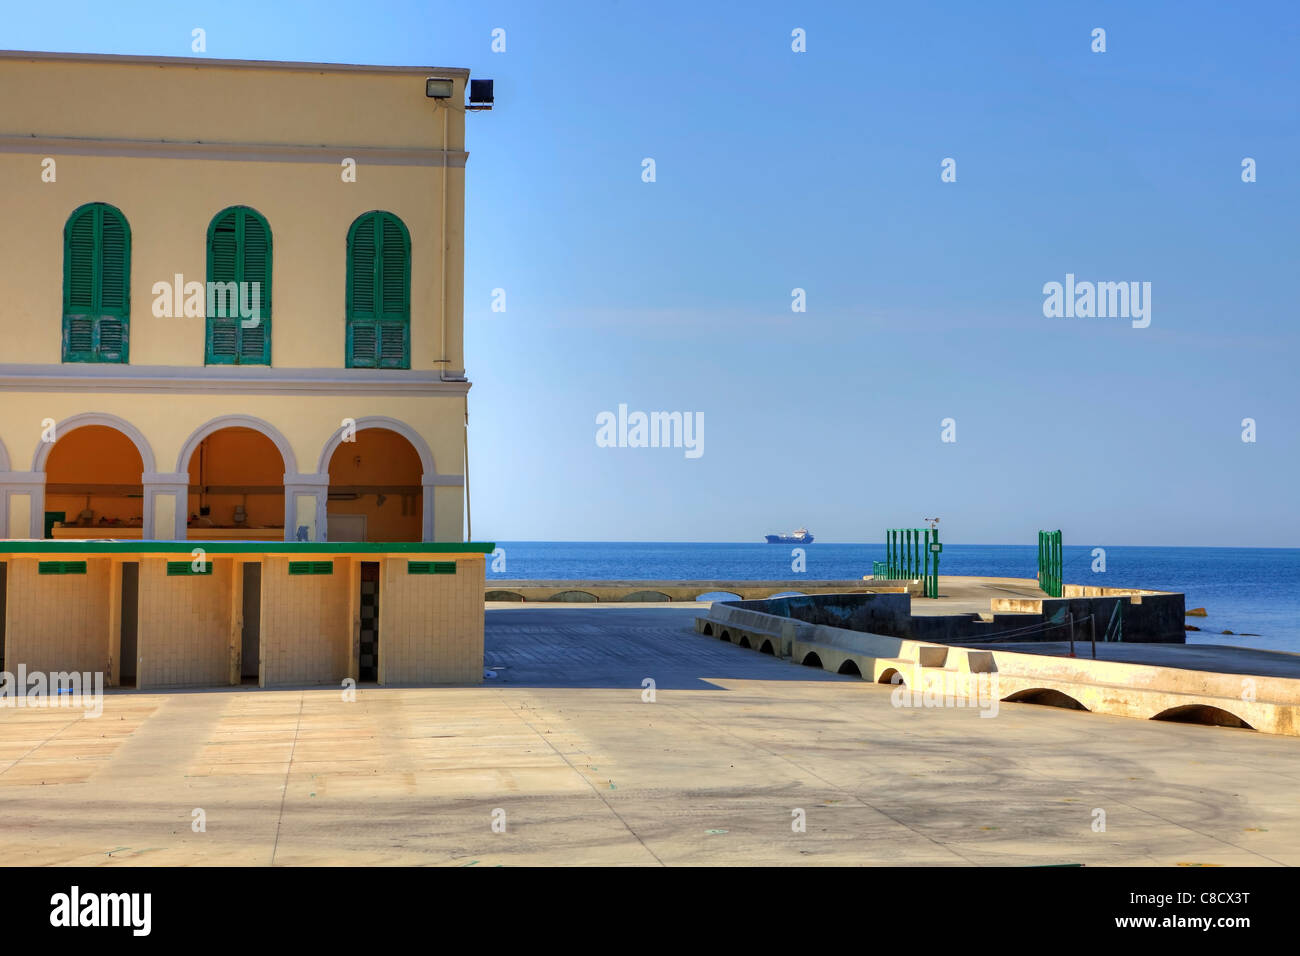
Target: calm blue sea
1254 590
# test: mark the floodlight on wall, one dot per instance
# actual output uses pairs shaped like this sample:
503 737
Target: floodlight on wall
480 95
438 88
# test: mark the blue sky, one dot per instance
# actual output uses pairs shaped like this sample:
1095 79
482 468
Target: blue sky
778 170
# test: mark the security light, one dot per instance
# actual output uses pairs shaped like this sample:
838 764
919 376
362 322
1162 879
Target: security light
437 88
480 93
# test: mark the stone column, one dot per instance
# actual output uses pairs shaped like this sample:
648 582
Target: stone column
430 483
166 506
305 498
22 504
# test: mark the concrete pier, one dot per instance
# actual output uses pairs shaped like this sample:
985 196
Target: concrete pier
872 637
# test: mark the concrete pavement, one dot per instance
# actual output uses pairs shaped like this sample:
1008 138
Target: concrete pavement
587 772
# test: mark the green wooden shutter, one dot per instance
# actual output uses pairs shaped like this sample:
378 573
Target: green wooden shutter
255 341
239 251
61 567
379 293
96 285
115 293
363 266
395 315
80 240
363 336
223 327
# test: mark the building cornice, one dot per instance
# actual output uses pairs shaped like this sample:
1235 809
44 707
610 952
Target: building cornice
236 152
248 380
212 62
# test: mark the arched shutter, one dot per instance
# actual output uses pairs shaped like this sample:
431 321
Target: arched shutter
79 294
223 315
395 266
239 253
255 339
115 293
379 293
96 285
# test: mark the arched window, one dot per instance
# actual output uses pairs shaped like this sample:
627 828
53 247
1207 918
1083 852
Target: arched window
379 292
96 285
239 288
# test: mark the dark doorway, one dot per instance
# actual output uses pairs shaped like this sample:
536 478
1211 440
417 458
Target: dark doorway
250 650
126 674
369 663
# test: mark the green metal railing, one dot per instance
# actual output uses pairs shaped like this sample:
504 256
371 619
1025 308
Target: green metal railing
911 553
1049 562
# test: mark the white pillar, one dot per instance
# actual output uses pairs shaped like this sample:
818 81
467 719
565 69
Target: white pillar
166 506
429 483
28 488
427 503
305 498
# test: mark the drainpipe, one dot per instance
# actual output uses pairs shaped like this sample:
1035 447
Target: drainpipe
469 520
442 258
442 274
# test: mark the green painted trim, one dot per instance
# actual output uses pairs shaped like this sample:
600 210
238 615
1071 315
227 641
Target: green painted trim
61 567
182 569
243 547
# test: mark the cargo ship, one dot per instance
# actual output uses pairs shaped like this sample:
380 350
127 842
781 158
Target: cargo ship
794 537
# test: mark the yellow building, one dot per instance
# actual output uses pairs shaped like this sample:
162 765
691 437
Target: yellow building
232 300
150 615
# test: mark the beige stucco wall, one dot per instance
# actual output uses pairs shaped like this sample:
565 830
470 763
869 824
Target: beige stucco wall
306 422
58 622
184 637
169 202
189 627
202 99
306 633
431 626
270 137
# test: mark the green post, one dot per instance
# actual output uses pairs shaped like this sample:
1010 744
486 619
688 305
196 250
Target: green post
1051 561
1055 558
1051 564
925 562
1058 563
923 539
936 564
1041 566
